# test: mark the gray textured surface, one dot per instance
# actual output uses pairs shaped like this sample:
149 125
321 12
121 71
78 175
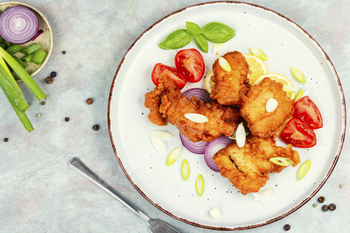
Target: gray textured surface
39 193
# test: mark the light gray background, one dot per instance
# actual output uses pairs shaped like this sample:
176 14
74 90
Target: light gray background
39 193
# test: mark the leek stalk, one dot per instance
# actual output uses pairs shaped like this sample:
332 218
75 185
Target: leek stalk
24 76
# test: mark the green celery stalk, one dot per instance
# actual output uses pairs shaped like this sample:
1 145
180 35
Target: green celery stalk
22 116
13 49
12 93
26 78
30 48
28 57
22 63
8 72
39 57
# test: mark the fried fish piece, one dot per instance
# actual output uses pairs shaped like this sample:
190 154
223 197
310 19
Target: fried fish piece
262 123
248 167
166 102
231 86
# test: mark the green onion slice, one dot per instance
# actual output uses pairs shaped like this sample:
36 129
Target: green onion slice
297 74
304 168
281 161
173 156
200 185
257 52
185 169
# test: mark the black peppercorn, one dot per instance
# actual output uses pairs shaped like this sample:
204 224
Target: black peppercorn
325 208
89 101
6 139
95 127
66 119
49 80
43 102
53 74
286 227
64 52
332 207
321 199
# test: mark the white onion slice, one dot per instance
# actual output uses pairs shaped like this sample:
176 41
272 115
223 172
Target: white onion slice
215 213
217 48
271 105
262 195
164 135
158 143
195 117
240 135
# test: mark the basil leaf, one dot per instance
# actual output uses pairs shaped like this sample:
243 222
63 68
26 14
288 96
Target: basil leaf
176 40
193 28
201 42
218 32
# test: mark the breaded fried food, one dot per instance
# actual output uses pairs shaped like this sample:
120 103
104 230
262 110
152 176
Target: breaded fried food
262 123
231 86
248 168
166 102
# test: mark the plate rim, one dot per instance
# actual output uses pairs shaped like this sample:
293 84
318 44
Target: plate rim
272 220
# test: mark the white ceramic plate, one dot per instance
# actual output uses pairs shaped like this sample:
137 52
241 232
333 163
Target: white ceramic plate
286 44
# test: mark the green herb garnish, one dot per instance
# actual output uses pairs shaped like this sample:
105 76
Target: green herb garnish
214 32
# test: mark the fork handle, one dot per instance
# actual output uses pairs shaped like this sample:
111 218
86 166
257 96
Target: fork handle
77 165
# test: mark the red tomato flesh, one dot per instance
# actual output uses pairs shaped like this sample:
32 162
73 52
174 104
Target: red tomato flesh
299 134
161 69
306 110
191 64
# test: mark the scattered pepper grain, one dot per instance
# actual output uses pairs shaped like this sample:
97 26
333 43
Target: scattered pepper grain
332 207
286 227
47 97
95 127
64 52
325 208
321 199
314 205
341 185
43 102
89 101
53 74
66 119
49 80
6 139
38 115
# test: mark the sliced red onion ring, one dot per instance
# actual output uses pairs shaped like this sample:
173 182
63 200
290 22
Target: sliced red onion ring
199 93
212 148
194 147
18 24
38 34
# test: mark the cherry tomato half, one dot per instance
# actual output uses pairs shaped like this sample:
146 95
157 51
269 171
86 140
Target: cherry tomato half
191 64
161 69
306 110
299 134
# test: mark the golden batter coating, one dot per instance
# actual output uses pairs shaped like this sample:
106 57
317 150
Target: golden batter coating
166 102
262 123
231 86
248 168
